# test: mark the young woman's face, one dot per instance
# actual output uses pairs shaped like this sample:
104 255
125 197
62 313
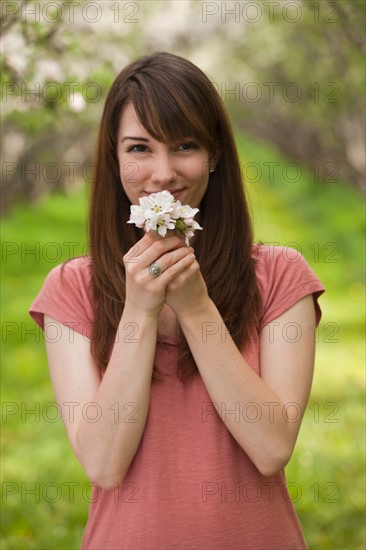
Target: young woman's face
149 166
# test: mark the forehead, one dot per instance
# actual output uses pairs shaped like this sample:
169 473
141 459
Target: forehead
129 122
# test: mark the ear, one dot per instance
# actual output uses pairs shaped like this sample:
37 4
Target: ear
214 158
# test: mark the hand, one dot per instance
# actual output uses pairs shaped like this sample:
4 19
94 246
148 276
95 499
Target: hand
145 293
187 293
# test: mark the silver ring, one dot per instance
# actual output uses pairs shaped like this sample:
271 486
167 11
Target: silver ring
154 270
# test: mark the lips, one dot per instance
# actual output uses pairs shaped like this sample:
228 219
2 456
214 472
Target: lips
174 192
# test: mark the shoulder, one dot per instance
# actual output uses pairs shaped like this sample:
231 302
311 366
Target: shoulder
283 277
66 295
74 273
271 260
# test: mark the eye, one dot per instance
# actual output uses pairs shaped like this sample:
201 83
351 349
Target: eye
137 149
187 146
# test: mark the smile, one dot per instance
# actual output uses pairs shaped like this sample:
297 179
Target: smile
174 192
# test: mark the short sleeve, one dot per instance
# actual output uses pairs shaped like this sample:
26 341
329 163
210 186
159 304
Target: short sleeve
66 296
284 277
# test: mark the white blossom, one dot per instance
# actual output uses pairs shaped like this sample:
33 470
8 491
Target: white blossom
77 102
48 70
160 212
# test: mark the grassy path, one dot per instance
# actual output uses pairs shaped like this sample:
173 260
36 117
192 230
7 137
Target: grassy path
45 492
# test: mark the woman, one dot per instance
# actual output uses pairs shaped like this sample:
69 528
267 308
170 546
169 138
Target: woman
187 379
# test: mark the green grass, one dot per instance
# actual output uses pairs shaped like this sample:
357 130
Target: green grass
326 470
36 455
325 221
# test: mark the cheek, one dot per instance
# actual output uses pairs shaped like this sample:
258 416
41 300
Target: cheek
197 172
130 172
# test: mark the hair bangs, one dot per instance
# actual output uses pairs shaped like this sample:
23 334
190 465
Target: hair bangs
166 114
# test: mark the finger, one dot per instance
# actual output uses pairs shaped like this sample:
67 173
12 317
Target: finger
185 275
136 253
139 248
172 257
175 269
153 237
158 248
166 261
170 233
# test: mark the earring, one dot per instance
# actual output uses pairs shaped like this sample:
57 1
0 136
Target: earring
212 170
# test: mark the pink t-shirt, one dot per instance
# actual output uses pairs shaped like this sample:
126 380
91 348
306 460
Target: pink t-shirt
190 485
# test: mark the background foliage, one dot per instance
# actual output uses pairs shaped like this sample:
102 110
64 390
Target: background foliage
303 162
291 71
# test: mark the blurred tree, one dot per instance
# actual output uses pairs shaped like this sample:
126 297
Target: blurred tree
58 59
291 73
308 94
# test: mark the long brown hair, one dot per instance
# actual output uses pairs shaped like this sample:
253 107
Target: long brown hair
173 99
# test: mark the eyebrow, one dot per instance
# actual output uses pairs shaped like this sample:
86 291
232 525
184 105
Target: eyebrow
135 139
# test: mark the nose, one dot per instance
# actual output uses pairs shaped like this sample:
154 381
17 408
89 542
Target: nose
163 171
